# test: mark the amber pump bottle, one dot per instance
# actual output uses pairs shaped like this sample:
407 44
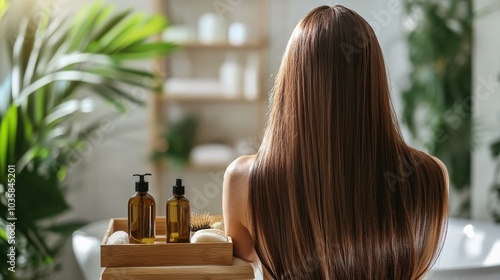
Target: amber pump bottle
141 213
178 216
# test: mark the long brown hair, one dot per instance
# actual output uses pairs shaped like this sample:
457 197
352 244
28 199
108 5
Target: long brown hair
335 193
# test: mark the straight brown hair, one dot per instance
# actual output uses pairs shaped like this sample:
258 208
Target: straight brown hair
335 192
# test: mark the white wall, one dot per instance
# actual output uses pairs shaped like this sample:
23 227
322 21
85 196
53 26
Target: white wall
486 98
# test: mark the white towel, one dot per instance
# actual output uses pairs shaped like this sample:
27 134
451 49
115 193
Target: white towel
118 237
209 235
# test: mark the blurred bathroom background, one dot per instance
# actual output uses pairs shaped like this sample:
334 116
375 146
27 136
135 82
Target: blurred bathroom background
218 130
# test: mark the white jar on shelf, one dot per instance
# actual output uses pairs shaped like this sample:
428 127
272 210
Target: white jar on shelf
237 34
231 76
251 77
211 29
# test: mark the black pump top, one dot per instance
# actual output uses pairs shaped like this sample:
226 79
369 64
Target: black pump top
178 189
141 185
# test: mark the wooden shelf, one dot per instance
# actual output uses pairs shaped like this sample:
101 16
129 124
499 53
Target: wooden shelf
190 98
203 61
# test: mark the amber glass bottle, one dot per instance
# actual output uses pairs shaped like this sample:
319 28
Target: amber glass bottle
141 214
178 216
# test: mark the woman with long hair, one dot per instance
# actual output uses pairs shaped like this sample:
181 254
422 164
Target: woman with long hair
334 192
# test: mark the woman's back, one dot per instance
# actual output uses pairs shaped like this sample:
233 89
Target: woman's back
334 192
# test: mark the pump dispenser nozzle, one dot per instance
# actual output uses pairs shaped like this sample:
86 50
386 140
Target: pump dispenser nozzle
178 188
141 185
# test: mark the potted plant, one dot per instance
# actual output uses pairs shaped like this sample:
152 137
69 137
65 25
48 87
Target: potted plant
494 202
438 103
437 106
56 62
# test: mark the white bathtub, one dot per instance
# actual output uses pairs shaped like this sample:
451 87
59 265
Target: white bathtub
471 252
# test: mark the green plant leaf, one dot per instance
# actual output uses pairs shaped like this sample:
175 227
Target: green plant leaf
17 59
495 149
79 58
8 126
99 14
3 234
113 40
110 94
74 75
4 6
178 147
40 195
116 75
62 111
55 40
118 97
139 33
99 33
84 20
146 50
32 59
25 128
138 72
5 98
26 158
41 254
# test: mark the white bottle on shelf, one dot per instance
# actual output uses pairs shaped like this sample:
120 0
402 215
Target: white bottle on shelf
231 76
211 29
237 34
251 77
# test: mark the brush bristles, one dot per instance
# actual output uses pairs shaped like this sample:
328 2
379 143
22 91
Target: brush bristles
201 221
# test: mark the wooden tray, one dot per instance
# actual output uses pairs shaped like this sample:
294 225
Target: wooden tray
240 269
161 253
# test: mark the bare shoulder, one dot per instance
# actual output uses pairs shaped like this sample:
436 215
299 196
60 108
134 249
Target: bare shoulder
238 172
235 187
235 208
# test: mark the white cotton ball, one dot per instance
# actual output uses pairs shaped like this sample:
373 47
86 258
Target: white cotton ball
209 235
218 225
118 237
